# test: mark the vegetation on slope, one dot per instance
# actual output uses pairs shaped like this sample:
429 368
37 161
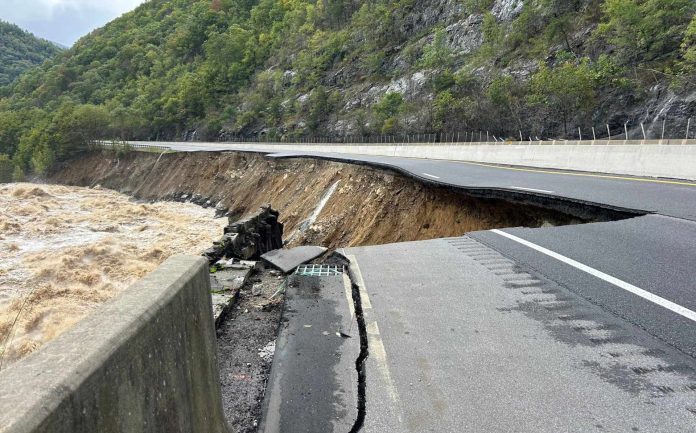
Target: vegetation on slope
20 50
296 68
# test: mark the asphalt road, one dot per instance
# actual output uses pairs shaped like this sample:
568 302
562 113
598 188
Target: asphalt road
634 279
463 339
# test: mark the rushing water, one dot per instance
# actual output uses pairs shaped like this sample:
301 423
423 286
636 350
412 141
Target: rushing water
65 250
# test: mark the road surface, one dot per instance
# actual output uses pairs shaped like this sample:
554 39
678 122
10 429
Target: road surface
578 328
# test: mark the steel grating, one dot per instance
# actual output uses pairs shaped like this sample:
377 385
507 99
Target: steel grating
314 270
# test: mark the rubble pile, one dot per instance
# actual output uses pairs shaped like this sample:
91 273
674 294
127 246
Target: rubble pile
249 238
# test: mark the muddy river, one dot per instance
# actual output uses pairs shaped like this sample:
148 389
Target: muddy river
65 250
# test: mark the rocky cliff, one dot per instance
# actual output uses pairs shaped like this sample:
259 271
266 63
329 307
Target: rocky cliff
302 69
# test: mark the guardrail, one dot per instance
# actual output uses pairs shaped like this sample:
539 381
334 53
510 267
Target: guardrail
143 362
127 145
646 158
605 142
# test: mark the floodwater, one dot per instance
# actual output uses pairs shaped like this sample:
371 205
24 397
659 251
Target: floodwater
65 250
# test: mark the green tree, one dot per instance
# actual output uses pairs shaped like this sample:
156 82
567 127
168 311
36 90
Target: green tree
21 51
389 107
645 29
437 54
6 168
567 90
507 97
687 65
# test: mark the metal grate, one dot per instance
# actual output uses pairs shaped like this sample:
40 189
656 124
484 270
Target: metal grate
319 270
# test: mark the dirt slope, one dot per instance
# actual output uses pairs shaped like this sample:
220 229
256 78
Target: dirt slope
367 207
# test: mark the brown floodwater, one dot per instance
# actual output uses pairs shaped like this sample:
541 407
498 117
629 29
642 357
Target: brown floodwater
65 250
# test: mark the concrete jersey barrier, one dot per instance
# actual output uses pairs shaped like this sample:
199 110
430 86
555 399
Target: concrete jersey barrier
662 159
143 362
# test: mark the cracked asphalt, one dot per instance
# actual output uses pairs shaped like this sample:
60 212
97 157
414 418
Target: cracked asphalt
575 329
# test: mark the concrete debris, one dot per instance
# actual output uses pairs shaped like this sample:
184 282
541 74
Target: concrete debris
237 264
225 285
256 289
249 238
266 353
288 260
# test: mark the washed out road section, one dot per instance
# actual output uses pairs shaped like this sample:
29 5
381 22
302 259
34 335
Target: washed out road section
665 196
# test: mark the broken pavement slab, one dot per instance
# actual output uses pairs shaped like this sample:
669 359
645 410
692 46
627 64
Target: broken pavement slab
224 288
288 260
313 385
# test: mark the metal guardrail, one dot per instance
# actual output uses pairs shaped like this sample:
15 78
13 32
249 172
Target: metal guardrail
126 145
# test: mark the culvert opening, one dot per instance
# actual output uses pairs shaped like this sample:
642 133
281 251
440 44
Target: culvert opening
328 203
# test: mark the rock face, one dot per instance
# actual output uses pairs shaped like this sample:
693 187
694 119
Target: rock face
507 10
249 238
465 37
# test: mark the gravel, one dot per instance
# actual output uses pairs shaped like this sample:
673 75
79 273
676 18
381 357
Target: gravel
246 342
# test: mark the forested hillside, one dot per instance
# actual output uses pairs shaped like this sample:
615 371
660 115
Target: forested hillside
216 69
20 50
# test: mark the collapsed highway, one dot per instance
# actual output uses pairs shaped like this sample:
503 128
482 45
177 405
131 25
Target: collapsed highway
580 327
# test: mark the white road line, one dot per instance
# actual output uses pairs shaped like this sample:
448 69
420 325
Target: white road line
430 175
374 338
682 311
531 189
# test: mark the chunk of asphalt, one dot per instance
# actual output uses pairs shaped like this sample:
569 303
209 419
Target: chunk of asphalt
288 260
312 386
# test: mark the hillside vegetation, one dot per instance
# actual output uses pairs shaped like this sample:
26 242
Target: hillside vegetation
218 69
20 50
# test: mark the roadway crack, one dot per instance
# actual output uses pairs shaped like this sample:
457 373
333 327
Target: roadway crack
360 362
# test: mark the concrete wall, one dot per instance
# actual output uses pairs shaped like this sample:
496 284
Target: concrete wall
668 158
143 362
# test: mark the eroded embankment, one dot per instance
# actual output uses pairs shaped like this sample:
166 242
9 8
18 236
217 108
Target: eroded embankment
320 202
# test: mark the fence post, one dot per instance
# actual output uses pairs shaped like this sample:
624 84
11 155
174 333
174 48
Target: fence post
626 130
521 140
487 137
608 132
688 124
594 136
580 133
643 129
664 120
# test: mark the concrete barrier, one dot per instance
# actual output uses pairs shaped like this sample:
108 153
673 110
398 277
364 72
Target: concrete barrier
666 158
144 362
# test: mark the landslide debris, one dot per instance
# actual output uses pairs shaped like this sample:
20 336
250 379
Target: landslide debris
357 205
248 238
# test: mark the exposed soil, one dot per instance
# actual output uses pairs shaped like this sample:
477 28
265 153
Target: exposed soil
246 341
367 207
